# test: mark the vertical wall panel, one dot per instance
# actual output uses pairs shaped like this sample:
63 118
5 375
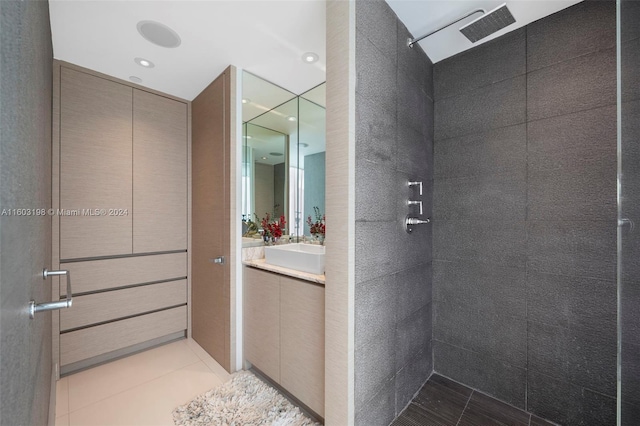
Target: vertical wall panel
25 241
95 166
159 173
394 144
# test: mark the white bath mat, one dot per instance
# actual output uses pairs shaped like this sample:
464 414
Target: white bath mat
243 401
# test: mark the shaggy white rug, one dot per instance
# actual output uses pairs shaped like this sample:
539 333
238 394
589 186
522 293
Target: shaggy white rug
243 401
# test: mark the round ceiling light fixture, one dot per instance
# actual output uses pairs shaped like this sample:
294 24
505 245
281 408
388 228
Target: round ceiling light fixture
144 62
276 154
310 57
135 79
264 158
291 118
158 34
246 101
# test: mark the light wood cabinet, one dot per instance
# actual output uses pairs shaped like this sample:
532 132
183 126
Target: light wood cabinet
93 309
262 321
284 333
104 274
159 173
95 166
302 341
94 341
121 159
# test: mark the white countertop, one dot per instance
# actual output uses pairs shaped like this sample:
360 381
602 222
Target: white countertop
261 264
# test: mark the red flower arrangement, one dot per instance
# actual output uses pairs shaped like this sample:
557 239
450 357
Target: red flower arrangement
273 229
318 227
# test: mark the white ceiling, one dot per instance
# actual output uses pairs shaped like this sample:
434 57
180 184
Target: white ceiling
264 37
423 16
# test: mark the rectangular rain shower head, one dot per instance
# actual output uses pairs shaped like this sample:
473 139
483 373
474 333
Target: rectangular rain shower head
488 23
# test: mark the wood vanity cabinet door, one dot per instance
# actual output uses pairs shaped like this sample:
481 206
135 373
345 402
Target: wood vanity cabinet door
159 173
262 321
95 165
302 341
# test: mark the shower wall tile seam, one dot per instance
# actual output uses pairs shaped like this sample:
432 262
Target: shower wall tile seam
484 86
510 364
526 242
612 221
478 88
461 135
606 105
578 385
441 140
569 58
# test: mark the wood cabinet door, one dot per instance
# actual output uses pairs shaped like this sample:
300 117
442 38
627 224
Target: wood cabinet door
95 166
302 341
159 173
262 321
211 221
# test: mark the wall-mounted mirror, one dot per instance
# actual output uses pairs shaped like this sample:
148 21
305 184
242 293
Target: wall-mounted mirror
283 155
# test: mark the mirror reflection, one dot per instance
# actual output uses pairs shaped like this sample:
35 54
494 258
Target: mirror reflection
283 162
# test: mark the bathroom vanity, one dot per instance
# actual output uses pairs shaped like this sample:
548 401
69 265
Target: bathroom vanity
284 329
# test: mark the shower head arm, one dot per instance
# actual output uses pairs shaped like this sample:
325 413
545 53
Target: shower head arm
411 42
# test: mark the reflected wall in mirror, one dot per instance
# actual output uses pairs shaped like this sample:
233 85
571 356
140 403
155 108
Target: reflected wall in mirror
283 155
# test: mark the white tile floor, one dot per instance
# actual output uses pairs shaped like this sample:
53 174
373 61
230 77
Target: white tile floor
141 389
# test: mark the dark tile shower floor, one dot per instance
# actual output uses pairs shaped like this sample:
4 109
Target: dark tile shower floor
443 402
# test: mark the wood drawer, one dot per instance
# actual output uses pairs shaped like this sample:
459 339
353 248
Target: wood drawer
90 342
112 305
104 274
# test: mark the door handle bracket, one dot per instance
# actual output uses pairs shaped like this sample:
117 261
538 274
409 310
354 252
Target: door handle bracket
52 306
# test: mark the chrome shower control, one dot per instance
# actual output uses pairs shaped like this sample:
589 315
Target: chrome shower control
419 184
410 222
415 203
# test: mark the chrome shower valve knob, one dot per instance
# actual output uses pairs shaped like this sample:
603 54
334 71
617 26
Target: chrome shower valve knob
415 203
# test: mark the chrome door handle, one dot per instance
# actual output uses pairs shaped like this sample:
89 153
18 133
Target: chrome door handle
52 306
218 260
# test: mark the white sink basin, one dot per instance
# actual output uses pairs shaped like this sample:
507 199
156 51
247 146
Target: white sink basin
301 257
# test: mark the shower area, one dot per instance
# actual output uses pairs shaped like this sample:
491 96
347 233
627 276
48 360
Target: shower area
525 284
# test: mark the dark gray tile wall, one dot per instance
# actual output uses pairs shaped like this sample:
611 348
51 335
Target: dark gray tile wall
524 209
630 183
393 311
26 87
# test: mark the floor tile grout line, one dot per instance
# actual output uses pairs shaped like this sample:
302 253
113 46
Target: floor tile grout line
67 396
136 386
465 407
205 361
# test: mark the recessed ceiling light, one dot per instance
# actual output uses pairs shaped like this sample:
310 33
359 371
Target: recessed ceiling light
144 62
303 145
248 137
276 154
158 34
135 79
246 101
264 158
291 118
310 57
